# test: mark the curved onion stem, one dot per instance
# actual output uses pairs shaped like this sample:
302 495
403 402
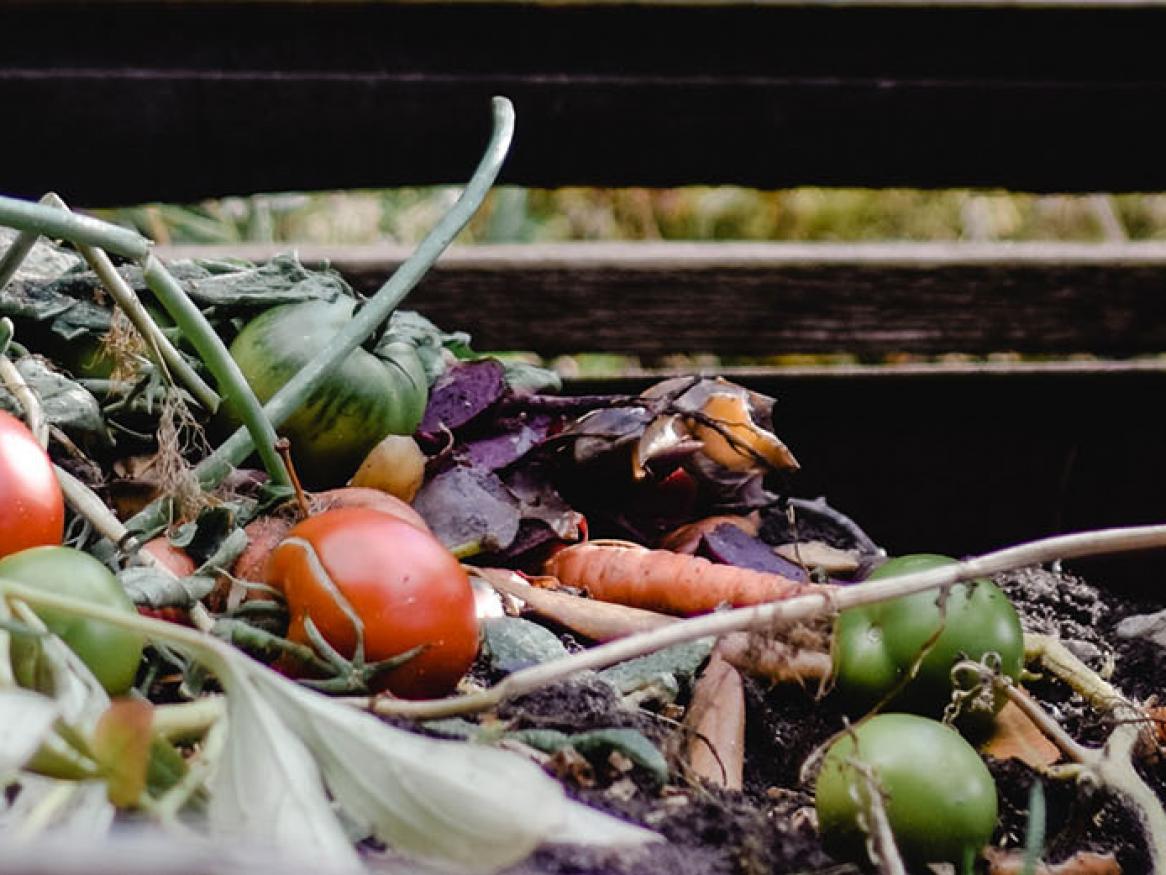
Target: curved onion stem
378 308
46 220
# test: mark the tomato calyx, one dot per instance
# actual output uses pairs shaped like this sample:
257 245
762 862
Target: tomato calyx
354 675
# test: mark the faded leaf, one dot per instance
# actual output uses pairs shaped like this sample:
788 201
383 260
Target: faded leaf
474 807
85 812
121 744
267 787
819 554
26 721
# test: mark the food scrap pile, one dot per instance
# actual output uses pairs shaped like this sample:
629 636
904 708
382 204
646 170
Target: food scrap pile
394 632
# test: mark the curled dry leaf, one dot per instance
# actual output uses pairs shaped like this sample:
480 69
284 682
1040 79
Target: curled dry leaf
716 720
1001 862
686 539
1015 736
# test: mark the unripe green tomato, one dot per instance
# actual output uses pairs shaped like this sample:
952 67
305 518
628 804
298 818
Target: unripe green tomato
876 645
939 797
359 402
112 654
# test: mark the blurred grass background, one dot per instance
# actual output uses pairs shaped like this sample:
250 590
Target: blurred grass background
518 215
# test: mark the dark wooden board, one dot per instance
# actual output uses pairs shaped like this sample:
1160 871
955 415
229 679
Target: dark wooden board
112 102
767 299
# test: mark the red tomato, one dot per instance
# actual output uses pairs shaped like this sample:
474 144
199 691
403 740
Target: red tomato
405 586
32 509
176 561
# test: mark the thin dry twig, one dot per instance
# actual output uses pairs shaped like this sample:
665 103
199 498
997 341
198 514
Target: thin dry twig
777 615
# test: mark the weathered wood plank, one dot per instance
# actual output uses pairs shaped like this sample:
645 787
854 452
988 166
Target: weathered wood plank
192 100
768 299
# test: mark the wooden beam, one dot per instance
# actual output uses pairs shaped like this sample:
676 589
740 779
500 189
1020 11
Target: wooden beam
114 102
774 298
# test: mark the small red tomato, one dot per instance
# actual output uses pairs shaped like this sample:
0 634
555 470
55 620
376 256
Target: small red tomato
406 588
173 559
32 509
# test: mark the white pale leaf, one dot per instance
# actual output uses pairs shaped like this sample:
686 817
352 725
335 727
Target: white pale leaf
267 789
81 698
584 825
26 720
79 810
473 807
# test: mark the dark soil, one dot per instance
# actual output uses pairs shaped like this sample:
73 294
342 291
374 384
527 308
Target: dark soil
770 826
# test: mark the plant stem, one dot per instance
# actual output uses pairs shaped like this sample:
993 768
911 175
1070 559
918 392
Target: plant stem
1113 765
288 399
188 721
777 614
163 351
48 221
33 413
217 358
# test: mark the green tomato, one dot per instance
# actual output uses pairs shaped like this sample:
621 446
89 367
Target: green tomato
112 654
876 645
361 401
939 797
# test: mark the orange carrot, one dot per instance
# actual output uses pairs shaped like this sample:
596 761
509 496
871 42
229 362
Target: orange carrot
659 580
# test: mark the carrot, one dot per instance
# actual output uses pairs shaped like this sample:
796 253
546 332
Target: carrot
659 580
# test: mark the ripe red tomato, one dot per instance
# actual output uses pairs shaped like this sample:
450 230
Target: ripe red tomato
405 586
32 509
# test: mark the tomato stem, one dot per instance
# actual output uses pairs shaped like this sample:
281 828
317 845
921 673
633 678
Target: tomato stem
292 396
283 447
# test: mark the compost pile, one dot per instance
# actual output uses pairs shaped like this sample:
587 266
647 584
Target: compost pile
433 538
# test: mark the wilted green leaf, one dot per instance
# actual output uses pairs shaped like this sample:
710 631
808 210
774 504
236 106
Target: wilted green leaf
668 667
510 643
152 588
630 742
66 404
